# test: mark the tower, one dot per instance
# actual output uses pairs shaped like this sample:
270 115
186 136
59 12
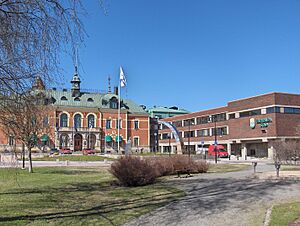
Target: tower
109 87
75 84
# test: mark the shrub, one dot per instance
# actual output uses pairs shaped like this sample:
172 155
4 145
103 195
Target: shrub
134 171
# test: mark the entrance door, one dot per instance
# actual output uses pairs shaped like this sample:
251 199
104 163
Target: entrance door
77 142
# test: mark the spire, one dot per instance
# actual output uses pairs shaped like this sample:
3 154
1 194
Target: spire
75 83
109 87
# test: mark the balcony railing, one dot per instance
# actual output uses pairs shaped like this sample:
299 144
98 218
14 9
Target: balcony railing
81 129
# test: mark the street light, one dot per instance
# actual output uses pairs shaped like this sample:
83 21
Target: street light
216 142
169 136
189 136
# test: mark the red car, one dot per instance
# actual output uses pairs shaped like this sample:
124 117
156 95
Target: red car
221 152
88 152
65 151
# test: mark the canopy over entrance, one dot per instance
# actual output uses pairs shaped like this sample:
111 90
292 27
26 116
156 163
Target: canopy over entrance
108 138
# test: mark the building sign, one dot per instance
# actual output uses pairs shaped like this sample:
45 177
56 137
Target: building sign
252 123
264 122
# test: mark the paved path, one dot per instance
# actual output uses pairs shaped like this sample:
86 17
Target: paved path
223 199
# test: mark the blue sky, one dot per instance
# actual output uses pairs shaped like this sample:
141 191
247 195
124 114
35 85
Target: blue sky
195 54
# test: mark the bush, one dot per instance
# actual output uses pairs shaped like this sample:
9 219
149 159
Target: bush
134 171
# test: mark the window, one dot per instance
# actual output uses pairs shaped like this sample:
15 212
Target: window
232 116
90 100
188 122
177 123
273 110
77 121
203 120
220 131
135 142
77 99
189 134
203 132
91 121
113 103
64 120
63 98
108 124
165 136
219 117
136 124
45 121
10 140
289 110
250 113
119 124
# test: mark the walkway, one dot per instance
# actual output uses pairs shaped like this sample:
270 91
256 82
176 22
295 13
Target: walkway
223 199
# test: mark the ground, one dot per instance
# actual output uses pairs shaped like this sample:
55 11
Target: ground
74 196
234 198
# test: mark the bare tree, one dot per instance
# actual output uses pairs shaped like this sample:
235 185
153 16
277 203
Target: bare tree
32 35
26 119
286 150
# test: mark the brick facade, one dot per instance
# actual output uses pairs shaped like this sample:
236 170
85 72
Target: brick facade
276 115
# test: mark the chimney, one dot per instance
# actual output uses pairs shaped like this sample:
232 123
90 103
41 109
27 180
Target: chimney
116 90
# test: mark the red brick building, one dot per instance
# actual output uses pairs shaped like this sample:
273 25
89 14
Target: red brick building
80 120
246 127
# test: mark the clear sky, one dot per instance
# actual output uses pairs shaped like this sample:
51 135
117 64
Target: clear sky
194 54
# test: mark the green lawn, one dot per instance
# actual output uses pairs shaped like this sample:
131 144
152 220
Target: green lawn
74 196
224 168
74 158
291 168
283 214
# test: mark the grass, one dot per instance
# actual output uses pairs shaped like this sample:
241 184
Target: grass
283 214
224 168
291 168
74 196
74 158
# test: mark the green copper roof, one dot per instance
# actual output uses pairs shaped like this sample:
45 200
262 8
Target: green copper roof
91 100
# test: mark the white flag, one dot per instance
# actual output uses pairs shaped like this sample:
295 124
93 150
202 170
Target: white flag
122 78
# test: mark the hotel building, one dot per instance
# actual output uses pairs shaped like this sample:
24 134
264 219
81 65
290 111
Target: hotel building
245 127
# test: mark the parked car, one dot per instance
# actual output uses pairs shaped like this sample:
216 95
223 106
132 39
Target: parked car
221 152
54 151
88 152
66 151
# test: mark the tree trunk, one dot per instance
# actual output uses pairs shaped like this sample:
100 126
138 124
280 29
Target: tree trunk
23 156
30 161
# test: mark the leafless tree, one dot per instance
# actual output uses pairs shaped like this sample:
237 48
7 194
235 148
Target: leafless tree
33 33
287 150
26 119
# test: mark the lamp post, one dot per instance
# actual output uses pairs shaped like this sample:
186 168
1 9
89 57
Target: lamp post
169 136
216 142
189 137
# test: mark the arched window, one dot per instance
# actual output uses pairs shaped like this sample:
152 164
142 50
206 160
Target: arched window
91 121
90 100
63 98
63 120
77 99
77 121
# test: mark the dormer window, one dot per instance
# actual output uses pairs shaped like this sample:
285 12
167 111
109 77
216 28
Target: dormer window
90 100
63 98
113 103
77 99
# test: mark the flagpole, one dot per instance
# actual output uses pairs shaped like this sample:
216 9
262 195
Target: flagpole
119 112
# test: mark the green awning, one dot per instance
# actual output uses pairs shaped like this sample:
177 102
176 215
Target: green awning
108 138
44 138
119 138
